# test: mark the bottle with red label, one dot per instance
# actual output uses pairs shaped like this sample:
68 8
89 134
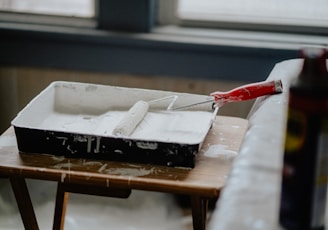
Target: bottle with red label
305 161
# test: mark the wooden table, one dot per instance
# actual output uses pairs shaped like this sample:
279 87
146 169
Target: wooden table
117 179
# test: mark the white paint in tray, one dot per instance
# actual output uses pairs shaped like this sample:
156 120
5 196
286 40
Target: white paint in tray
96 110
166 126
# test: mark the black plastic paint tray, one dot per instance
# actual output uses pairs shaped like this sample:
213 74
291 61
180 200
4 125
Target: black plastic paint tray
77 119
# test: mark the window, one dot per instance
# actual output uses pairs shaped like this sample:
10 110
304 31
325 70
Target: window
75 8
300 16
289 15
94 41
127 15
277 11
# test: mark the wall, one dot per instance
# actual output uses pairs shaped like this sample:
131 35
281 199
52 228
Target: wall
18 85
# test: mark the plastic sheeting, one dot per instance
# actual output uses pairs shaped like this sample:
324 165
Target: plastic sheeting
250 200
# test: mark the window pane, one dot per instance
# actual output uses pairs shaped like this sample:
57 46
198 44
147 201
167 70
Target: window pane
288 12
75 8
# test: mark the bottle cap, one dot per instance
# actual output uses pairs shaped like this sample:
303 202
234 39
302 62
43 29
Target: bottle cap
314 65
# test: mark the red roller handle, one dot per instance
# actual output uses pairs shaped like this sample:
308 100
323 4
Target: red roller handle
247 92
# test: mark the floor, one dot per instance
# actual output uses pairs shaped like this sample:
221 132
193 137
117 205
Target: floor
141 211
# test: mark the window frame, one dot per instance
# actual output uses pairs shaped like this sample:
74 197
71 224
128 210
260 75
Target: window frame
302 27
143 48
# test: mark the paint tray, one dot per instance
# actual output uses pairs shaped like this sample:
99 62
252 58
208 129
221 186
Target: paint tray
77 119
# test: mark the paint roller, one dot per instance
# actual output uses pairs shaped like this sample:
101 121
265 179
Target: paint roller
136 114
250 91
132 119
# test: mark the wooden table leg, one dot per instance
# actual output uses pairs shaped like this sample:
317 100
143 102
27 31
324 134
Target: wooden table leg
60 207
199 207
64 189
24 202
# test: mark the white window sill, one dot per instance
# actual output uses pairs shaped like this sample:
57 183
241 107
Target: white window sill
252 39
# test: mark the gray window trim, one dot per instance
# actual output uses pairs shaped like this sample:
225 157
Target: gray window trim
135 49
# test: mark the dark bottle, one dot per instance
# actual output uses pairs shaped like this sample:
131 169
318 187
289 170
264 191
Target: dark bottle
305 162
